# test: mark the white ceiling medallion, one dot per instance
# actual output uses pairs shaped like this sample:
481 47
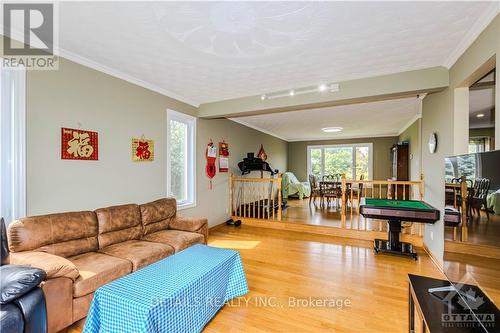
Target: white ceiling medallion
331 87
241 29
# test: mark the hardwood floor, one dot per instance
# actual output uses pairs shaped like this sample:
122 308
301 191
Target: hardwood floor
301 212
283 266
481 230
473 269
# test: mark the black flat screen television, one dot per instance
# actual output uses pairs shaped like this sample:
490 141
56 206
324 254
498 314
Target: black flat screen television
472 250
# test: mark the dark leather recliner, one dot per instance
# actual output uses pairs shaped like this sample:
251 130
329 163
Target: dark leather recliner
22 302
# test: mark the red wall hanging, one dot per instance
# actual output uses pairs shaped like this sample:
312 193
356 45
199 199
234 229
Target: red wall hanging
211 156
223 156
78 144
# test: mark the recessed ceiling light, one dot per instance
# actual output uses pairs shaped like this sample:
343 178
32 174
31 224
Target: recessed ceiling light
263 97
292 92
322 87
480 115
332 129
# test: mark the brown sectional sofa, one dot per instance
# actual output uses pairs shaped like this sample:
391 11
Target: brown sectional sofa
81 251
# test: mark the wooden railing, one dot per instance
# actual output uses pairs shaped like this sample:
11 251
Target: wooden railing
460 190
381 189
255 198
354 190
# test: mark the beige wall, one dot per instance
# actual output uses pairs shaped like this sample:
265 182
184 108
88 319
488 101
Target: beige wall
76 95
439 114
297 155
436 117
412 135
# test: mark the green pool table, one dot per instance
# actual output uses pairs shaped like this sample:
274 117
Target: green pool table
395 212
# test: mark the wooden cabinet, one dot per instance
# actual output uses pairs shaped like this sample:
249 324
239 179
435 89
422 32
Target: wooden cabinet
400 169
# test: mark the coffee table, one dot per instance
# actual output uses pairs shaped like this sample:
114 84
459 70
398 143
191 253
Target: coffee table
180 293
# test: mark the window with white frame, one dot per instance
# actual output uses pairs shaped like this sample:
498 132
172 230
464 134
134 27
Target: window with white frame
181 152
353 160
13 144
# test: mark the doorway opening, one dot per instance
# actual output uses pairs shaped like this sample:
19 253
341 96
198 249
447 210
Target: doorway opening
482 114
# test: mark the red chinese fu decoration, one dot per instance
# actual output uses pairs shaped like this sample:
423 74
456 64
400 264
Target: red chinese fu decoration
78 144
142 150
223 156
211 156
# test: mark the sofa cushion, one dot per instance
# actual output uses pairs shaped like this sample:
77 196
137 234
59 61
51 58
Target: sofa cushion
139 253
97 269
54 266
118 224
156 215
63 234
179 240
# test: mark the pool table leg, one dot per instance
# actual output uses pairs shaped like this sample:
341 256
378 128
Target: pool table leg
393 244
393 235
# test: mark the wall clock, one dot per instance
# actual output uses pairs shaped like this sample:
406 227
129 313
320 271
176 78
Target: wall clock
433 141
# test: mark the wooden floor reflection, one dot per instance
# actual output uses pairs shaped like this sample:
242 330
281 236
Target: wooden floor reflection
481 230
475 270
299 211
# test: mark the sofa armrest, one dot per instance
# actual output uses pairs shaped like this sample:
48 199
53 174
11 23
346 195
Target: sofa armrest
191 224
17 281
55 266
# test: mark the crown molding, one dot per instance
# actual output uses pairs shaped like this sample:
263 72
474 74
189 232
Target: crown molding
409 123
482 22
123 76
244 123
398 133
16 35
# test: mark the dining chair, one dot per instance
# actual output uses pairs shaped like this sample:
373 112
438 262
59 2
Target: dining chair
315 190
471 193
478 199
330 188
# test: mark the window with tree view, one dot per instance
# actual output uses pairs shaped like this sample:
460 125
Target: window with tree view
353 160
180 158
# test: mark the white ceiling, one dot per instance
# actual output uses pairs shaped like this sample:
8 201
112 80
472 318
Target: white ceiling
207 51
481 101
383 118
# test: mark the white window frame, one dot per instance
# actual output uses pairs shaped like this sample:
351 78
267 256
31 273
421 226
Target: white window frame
350 145
190 178
13 154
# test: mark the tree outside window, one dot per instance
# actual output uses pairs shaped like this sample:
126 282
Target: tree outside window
181 178
352 160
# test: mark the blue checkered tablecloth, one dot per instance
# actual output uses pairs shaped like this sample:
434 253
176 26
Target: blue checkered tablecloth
180 293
